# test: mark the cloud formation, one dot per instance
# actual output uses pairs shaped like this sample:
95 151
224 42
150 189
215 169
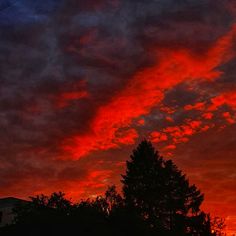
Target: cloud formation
82 82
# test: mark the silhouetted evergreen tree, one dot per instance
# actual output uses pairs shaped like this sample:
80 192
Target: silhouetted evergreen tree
161 194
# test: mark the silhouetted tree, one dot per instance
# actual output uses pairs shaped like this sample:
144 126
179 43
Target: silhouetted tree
121 220
160 193
43 209
218 226
113 199
43 214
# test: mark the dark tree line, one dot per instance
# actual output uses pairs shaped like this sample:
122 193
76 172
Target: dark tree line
157 200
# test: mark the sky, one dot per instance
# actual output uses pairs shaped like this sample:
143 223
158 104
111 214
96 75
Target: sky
83 82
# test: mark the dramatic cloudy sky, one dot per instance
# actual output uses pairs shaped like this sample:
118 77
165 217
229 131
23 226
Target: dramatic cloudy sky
82 82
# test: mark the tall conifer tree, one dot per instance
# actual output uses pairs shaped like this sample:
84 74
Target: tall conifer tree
160 193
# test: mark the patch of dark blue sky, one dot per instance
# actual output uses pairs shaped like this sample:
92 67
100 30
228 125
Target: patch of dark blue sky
21 12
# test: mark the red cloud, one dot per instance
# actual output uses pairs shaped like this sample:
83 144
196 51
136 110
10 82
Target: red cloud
141 122
228 117
66 97
180 133
170 119
157 137
197 106
145 90
208 115
228 98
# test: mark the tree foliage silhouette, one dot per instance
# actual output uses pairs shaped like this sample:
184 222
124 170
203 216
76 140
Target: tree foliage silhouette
160 193
157 200
218 226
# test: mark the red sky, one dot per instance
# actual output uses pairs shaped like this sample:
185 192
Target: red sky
82 84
